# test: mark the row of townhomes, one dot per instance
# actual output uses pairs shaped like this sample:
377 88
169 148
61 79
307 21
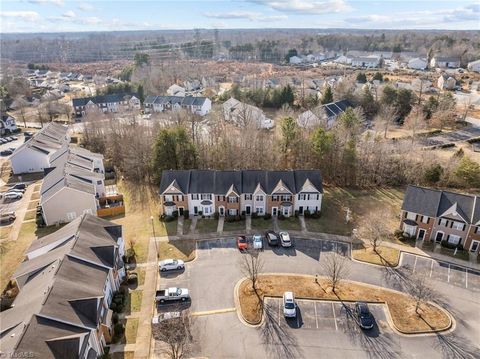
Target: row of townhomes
204 192
74 177
435 215
107 103
196 105
66 285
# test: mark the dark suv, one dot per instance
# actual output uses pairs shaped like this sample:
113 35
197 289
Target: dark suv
272 238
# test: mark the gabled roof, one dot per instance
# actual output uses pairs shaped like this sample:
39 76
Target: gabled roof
110 98
171 100
435 203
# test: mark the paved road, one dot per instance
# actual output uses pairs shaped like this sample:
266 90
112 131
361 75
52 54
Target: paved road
212 276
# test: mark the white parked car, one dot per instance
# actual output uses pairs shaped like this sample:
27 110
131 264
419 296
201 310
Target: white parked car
285 240
257 241
289 305
171 264
12 195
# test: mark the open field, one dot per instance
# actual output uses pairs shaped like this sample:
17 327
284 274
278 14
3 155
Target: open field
206 225
183 249
234 226
384 256
401 307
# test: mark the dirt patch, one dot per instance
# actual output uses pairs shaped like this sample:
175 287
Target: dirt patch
401 307
183 249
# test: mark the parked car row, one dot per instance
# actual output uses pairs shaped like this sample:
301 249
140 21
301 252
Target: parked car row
7 217
14 192
272 238
172 293
8 139
362 313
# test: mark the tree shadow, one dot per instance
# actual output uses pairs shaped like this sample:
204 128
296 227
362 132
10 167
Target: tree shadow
280 343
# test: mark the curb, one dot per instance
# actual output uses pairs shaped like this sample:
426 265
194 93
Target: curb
450 327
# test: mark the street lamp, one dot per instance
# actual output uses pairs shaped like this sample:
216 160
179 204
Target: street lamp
154 237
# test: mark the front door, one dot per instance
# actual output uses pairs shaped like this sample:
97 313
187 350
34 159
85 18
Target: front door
474 246
180 211
300 210
221 210
274 211
247 210
439 237
421 234
195 210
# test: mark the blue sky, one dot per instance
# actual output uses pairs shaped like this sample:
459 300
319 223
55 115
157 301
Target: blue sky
67 15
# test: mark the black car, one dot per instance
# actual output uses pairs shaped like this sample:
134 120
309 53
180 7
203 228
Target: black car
19 186
272 238
364 317
6 153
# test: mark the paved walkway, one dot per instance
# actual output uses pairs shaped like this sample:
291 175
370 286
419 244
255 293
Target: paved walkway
303 224
180 223
221 221
142 345
248 224
276 228
193 225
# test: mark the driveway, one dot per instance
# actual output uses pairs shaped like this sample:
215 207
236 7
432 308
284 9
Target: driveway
323 329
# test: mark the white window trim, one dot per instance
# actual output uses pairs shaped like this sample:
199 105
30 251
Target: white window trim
411 215
425 219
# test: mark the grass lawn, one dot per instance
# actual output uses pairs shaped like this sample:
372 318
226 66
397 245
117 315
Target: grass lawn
261 225
33 205
179 249
131 327
336 200
290 224
385 256
35 196
135 300
37 187
401 306
206 225
140 275
30 214
239 226
122 355
186 225
141 203
5 231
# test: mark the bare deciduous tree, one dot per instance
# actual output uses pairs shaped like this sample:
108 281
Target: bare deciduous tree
419 290
336 268
374 227
385 117
251 266
176 336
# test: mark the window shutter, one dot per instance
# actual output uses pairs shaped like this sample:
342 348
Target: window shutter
416 217
464 225
428 220
439 220
448 237
451 224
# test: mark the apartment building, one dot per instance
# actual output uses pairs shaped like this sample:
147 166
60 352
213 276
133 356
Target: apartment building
110 103
66 285
230 193
435 215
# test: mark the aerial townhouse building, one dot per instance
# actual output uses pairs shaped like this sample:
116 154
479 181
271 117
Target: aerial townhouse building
196 105
110 103
66 285
435 215
230 193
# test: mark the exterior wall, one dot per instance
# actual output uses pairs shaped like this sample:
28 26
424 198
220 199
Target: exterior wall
28 160
259 203
448 231
184 203
235 206
244 203
192 203
472 236
67 200
420 225
221 203
310 204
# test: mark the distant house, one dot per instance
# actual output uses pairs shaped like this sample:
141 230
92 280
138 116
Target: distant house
9 124
474 66
197 105
66 286
230 193
35 154
366 62
326 114
445 82
417 63
442 216
445 62
343 60
176 90
243 114
107 103
295 60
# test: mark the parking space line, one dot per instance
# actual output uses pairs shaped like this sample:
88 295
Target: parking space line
279 312
415 264
334 316
448 278
316 316
431 269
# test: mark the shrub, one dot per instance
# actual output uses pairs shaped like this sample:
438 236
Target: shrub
254 215
281 217
243 217
296 213
175 214
169 219
114 318
186 214
446 244
398 234
118 331
316 214
238 218
200 213
243 213
216 215
267 216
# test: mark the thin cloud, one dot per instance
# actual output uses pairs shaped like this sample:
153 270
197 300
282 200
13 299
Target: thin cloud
69 14
244 15
22 15
48 2
85 6
306 7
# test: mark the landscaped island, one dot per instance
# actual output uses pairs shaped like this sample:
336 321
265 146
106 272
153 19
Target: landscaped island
431 318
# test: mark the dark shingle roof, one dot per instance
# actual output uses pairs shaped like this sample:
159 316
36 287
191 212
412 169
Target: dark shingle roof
110 98
434 203
245 181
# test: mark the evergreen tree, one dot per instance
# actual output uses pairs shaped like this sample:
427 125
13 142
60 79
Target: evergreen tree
327 96
361 78
141 93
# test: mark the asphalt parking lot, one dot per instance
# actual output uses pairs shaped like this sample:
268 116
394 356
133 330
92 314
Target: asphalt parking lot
12 144
444 272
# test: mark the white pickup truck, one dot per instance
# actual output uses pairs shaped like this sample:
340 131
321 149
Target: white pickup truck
171 294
